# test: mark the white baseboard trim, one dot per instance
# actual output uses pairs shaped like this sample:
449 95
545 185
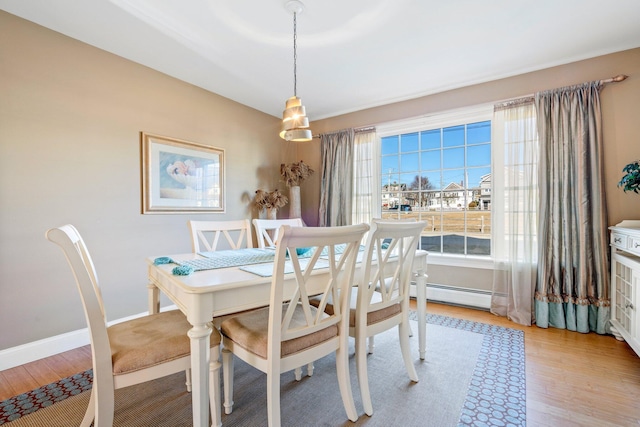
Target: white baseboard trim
455 295
25 353
29 352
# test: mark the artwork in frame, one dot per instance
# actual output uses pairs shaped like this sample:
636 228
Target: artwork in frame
181 176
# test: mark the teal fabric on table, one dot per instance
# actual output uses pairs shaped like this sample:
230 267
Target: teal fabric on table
236 258
219 259
230 258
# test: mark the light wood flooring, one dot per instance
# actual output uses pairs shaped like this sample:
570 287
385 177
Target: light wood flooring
572 379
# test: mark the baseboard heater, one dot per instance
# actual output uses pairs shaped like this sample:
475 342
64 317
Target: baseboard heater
456 295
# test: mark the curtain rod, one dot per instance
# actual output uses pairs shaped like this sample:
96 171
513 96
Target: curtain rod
531 97
616 79
365 129
356 130
523 99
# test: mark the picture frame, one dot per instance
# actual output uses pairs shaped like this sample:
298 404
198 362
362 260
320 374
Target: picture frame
181 176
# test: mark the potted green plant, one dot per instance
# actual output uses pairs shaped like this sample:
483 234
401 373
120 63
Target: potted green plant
631 179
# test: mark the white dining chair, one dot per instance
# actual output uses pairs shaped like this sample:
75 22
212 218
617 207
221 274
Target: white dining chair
267 229
292 332
381 299
134 351
267 234
206 235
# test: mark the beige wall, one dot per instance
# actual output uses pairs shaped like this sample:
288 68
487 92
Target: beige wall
70 119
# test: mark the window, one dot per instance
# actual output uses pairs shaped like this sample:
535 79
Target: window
438 170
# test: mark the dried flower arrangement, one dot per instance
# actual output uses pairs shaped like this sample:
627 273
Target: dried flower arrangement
269 199
295 173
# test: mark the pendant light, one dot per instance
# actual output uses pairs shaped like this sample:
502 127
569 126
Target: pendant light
295 124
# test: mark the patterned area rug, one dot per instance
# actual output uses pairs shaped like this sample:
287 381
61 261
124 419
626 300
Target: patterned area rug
496 394
495 386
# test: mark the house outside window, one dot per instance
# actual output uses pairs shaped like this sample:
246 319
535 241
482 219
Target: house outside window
438 169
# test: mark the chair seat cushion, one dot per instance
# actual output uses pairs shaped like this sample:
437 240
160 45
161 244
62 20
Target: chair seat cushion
151 340
373 317
250 331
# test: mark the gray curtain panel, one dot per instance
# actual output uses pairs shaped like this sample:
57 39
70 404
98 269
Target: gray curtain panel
336 182
573 289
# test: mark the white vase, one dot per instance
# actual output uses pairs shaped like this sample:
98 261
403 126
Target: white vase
295 210
272 213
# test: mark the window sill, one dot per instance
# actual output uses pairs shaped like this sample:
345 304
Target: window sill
468 261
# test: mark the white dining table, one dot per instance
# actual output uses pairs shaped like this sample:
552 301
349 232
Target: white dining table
204 294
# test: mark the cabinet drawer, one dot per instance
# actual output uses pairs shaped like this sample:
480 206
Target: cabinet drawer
634 245
619 240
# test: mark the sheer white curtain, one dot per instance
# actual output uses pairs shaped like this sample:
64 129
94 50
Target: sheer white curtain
514 201
366 194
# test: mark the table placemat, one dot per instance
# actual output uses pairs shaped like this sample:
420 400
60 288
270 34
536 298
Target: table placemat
266 270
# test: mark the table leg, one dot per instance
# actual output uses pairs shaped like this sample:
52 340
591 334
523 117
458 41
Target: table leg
200 336
421 302
154 298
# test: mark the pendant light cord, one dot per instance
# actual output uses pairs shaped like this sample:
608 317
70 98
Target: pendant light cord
295 55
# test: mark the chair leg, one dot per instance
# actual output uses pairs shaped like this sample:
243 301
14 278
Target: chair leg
90 414
298 371
214 392
403 331
363 375
188 380
102 401
273 398
227 373
371 343
342 368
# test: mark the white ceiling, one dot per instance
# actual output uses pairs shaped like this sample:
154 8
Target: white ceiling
352 54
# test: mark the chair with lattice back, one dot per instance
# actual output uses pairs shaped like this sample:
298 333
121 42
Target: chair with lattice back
381 299
291 332
267 229
207 235
130 352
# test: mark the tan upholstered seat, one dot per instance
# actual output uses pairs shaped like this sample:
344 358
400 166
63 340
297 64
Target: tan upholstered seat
250 332
150 340
133 351
373 316
291 332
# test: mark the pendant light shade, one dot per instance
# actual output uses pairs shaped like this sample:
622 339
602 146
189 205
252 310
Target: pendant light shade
295 124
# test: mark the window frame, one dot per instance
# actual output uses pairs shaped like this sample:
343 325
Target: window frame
449 118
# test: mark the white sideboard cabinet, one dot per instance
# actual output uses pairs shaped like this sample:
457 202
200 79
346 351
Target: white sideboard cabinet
625 282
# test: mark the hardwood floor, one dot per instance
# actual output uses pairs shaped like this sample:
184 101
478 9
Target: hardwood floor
573 379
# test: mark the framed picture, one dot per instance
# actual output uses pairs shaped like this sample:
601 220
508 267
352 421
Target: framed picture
180 176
